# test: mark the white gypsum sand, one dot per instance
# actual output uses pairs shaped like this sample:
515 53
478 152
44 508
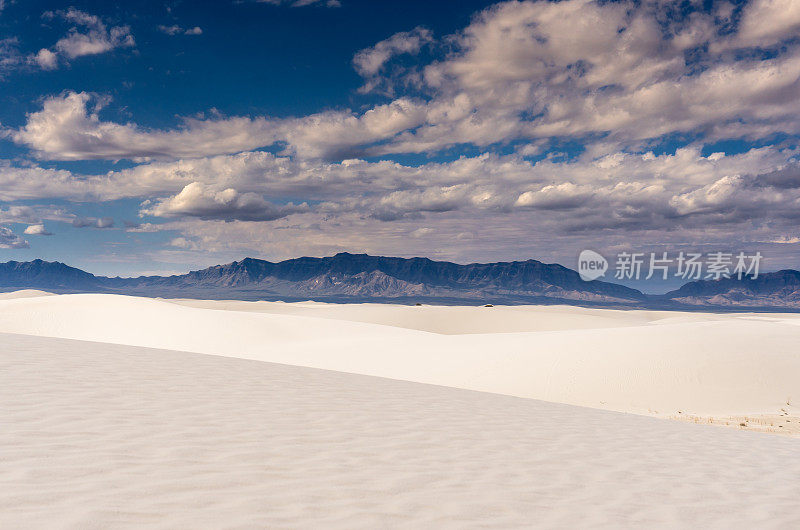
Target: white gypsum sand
700 366
24 293
107 436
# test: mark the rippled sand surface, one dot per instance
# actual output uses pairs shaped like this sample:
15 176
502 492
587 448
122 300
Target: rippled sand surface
97 435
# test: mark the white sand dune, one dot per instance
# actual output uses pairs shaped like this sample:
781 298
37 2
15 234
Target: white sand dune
96 436
693 364
24 293
446 320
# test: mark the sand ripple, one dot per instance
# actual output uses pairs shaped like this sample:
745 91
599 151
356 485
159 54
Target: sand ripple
107 436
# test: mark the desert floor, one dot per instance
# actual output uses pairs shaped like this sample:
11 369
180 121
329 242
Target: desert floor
129 412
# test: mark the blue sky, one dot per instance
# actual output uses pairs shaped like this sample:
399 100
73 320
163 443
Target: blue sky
155 137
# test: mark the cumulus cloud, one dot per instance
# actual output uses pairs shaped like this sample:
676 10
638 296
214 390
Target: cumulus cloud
556 197
736 197
37 230
32 182
768 22
93 222
46 59
78 44
68 128
182 242
19 214
177 30
303 3
141 228
624 81
371 61
520 71
10 57
578 68
9 239
421 232
596 189
33 214
198 200
340 135
462 235
89 35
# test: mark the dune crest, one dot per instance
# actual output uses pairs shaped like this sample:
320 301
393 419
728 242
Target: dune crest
668 364
99 436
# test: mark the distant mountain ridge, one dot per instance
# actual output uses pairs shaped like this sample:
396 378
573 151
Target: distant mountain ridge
361 277
771 289
44 275
340 276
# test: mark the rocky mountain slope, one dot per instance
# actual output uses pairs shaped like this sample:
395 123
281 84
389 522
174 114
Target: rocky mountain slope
38 274
772 289
361 277
342 275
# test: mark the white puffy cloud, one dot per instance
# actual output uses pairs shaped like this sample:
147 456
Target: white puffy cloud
611 188
462 236
33 215
19 214
78 44
768 22
624 80
67 129
89 35
19 183
37 230
198 200
10 57
371 61
555 196
9 239
170 30
177 30
46 59
182 242
337 135
738 198
520 71
421 232
303 3
622 190
95 38
141 228
578 68
93 222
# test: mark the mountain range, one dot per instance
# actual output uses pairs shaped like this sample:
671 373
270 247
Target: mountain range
361 277
773 289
